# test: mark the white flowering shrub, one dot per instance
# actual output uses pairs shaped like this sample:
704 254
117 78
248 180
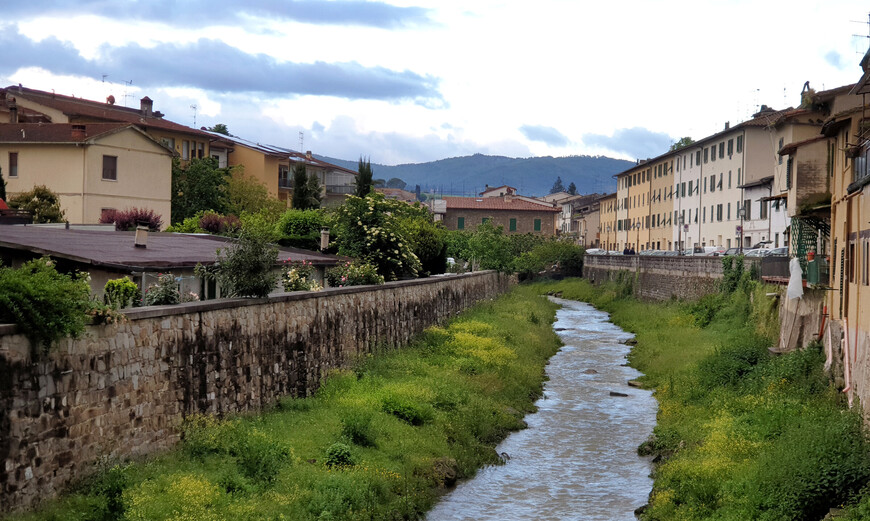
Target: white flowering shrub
299 276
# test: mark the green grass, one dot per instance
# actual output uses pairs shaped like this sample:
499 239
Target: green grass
380 441
740 434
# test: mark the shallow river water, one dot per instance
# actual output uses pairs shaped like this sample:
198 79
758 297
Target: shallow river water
578 458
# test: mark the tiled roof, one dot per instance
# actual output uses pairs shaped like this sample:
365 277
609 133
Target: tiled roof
792 147
56 132
496 203
82 108
116 250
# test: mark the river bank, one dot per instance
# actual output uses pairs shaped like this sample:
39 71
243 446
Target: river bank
740 434
379 442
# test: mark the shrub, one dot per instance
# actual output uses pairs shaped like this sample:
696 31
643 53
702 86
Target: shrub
299 276
407 410
164 292
126 220
121 293
339 455
189 225
353 274
219 224
245 268
356 426
45 304
104 314
42 203
730 364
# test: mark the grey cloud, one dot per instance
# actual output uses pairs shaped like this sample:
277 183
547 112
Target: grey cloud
636 142
227 69
224 12
836 59
548 135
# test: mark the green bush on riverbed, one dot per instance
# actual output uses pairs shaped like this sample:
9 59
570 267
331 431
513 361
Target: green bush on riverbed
380 441
740 434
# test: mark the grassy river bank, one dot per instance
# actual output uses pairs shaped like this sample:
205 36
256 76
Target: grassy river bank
740 435
378 442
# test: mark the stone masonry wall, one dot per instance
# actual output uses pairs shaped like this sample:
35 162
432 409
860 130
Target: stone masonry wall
121 390
659 277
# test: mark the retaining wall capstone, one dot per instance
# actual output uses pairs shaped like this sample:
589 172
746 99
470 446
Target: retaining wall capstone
121 390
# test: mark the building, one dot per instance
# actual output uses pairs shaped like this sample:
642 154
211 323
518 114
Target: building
607 222
498 191
93 167
513 214
398 194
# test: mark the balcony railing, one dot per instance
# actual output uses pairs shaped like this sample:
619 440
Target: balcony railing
330 189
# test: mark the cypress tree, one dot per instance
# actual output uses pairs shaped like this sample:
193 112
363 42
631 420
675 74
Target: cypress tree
364 179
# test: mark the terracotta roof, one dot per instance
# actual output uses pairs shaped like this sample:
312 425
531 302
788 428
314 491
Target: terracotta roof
57 132
82 108
115 249
761 182
494 188
398 193
496 203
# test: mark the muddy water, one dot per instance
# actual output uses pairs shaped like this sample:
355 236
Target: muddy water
578 459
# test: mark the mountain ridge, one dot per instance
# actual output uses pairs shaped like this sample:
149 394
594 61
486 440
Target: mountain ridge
534 176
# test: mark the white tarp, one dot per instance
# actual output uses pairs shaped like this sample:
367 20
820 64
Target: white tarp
795 284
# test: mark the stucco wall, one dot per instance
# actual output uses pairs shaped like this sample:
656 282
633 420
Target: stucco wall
122 390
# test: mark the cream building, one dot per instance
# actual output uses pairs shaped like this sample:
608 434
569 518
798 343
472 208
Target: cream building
92 167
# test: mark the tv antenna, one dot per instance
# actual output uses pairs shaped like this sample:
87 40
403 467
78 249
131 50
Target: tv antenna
301 140
859 51
194 114
104 77
126 85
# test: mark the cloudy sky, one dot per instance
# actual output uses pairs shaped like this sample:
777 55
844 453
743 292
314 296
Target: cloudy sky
407 81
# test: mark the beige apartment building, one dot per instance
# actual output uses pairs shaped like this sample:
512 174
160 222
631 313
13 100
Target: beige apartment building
93 167
607 226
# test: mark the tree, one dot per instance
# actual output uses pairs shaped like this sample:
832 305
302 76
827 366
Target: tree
557 186
246 194
306 189
572 188
198 187
681 143
2 186
42 203
220 128
379 183
245 268
364 179
395 182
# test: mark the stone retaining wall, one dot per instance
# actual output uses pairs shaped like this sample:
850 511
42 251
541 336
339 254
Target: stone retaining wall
658 277
121 390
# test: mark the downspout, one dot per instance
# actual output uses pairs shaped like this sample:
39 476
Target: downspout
700 203
742 180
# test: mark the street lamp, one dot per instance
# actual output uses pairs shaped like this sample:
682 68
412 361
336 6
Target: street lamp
637 242
741 212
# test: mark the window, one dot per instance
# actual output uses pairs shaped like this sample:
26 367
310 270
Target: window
778 149
698 157
683 189
762 209
690 187
705 185
713 153
719 212
712 183
110 168
512 225
719 186
730 147
739 180
185 150
706 155
13 164
704 214
537 225
106 212
729 211
747 207
788 166
739 144
168 142
200 150
729 179
460 223
721 150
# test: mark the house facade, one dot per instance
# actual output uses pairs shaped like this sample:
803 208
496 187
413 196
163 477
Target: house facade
607 222
513 214
93 167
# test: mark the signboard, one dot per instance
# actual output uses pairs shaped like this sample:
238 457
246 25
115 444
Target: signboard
686 227
739 229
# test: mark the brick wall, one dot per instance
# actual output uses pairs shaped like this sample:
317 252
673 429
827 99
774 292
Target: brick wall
658 277
121 390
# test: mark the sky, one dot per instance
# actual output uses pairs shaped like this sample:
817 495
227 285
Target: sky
411 81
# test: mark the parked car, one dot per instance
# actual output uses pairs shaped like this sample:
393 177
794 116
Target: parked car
757 252
762 244
782 251
732 251
596 251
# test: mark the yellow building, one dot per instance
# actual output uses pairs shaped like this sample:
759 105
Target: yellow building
92 167
607 226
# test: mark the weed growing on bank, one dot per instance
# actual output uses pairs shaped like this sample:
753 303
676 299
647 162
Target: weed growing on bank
381 441
740 434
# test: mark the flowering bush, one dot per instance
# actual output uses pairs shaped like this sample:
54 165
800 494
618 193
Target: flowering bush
129 219
353 274
216 223
164 292
299 276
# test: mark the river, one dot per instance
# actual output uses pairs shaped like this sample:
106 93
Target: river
578 458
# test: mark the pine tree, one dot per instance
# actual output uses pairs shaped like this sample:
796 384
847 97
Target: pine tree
300 187
572 188
364 179
557 186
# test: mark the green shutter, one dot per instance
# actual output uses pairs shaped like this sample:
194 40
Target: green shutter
537 225
513 225
460 223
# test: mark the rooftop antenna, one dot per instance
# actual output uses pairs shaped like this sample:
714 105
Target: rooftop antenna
194 114
104 77
127 84
301 140
860 51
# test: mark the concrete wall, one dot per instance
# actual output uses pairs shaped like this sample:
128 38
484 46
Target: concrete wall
122 390
659 277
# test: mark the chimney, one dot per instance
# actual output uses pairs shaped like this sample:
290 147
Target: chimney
308 154
13 111
727 125
79 132
324 238
146 105
141 238
110 100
